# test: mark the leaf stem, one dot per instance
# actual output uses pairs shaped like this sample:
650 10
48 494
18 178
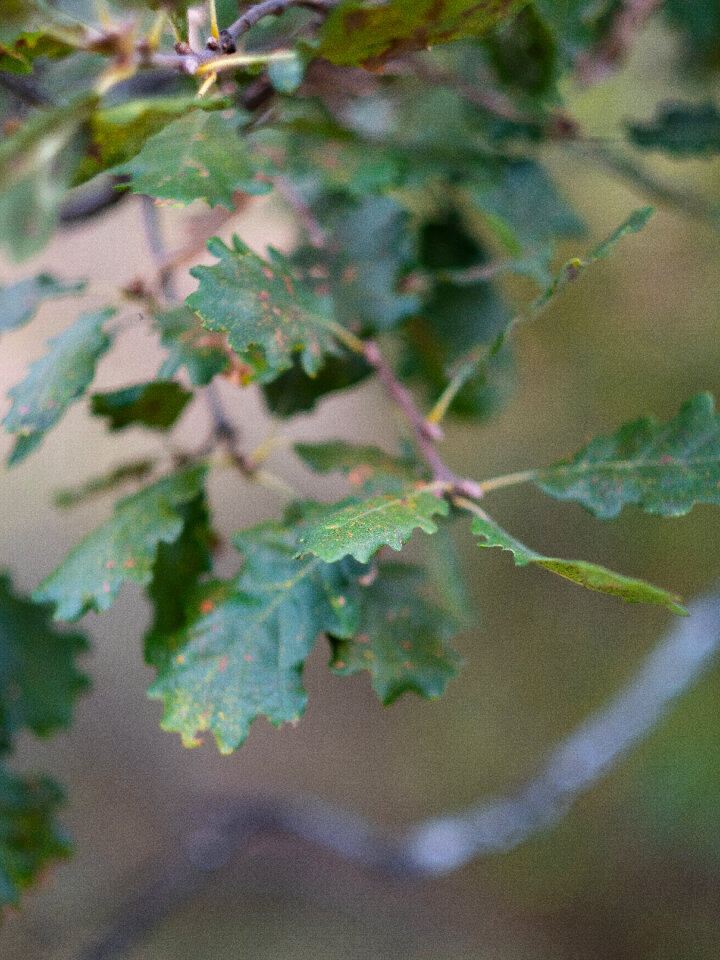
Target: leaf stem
476 361
508 480
230 61
426 434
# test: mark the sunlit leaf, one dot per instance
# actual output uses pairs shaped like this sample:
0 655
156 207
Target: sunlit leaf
588 575
362 527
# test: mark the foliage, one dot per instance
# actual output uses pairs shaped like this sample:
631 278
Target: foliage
419 182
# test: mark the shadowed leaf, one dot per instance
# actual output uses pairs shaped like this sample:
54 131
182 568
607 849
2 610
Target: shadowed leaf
123 549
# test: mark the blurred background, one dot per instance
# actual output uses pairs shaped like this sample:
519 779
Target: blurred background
634 869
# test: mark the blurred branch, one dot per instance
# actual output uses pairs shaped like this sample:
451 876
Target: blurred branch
443 844
273 8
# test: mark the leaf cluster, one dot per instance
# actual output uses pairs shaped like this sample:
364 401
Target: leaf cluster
419 183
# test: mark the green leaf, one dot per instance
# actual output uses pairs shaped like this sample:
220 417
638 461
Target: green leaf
680 129
137 470
267 316
156 404
365 33
360 528
186 340
521 204
664 468
242 652
401 638
588 575
199 157
293 391
368 467
20 302
38 677
118 132
178 567
27 47
37 164
122 549
29 837
368 249
56 380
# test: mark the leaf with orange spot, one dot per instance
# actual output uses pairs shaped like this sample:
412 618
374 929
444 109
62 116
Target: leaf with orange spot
129 540
358 32
403 643
360 528
202 156
268 316
664 468
245 641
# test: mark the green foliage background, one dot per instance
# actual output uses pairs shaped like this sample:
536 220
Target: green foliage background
633 869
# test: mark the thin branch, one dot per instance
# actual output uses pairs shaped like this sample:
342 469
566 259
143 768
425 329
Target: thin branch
426 434
604 58
273 8
443 844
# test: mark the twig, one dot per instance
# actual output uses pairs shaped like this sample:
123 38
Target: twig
441 845
426 434
273 8
626 22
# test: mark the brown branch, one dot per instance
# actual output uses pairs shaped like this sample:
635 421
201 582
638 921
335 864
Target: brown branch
273 8
426 434
604 59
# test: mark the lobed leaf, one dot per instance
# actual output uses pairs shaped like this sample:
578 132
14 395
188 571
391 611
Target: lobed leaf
360 528
118 132
293 391
56 380
358 32
401 640
585 574
198 157
680 129
157 404
39 680
268 316
242 651
29 836
364 466
664 468
20 302
123 549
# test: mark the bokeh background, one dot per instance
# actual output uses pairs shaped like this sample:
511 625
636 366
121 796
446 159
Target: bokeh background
634 869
